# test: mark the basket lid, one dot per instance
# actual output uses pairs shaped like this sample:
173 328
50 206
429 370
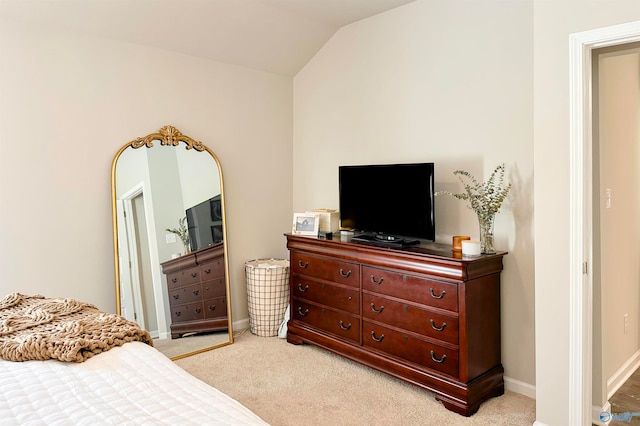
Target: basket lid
268 263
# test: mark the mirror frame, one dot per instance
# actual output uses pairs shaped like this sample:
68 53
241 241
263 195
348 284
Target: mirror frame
170 136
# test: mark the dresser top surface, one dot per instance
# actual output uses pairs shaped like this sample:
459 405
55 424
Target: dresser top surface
431 249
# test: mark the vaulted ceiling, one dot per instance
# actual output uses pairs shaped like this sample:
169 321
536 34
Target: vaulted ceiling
277 36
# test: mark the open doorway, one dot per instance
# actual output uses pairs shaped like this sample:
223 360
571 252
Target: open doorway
616 218
583 409
138 301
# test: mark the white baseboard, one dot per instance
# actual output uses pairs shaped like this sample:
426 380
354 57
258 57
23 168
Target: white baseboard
241 324
595 414
537 423
622 375
517 386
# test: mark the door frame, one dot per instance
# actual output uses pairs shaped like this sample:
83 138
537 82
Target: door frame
154 257
127 299
581 46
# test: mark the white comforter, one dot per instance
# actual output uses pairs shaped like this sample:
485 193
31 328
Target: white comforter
133 384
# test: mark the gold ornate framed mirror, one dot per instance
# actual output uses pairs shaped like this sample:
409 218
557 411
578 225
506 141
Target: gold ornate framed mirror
170 242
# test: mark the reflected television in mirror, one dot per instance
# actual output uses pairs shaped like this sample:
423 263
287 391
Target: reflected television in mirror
204 221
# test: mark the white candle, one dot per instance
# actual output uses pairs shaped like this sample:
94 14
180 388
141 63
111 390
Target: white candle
471 248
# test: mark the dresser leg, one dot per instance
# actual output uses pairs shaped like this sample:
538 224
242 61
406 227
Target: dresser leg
489 385
293 339
463 410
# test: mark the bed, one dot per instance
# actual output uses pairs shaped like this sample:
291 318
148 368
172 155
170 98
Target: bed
125 381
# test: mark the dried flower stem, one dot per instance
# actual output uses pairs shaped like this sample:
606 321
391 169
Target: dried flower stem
484 198
182 231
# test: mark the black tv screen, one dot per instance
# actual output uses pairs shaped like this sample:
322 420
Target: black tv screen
204 221
394 200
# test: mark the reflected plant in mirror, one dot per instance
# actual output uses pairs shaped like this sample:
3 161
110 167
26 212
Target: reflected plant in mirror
182 232
183 301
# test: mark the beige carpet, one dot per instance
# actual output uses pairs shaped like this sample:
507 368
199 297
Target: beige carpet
286 384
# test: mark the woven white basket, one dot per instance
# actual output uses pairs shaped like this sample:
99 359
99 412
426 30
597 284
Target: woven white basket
268 294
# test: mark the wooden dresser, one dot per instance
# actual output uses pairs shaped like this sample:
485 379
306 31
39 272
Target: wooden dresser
422 314
196 286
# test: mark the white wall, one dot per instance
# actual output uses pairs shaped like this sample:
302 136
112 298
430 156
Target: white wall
432 81
69 102
553 24
192 167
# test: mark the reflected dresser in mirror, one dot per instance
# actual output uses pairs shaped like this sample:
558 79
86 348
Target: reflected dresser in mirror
196 288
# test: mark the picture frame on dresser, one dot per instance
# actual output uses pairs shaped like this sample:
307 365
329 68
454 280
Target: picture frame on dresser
306 224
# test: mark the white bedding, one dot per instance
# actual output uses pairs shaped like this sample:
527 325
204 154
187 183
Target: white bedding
133 384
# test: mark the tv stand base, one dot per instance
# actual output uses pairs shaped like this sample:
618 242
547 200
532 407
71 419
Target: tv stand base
384 240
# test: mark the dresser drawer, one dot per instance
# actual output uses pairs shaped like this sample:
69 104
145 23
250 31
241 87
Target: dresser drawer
411 317
188 312
327 320
212 270
215 308
343 298
182 295
410 348
190 276
214 288
417 289
173 280
325 268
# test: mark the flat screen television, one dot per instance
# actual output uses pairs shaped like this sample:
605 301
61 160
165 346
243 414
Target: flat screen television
204 221
391 203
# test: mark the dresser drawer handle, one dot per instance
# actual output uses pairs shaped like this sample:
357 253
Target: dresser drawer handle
303 289
378 339
207 271
176 296
178 313
439 361
194 274
376 282
433 325
212 308
174 280
344 327
377 311
304 265
440 296
344 274
304 314
198 310
196 292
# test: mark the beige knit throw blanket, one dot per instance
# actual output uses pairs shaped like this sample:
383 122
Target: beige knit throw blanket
38 328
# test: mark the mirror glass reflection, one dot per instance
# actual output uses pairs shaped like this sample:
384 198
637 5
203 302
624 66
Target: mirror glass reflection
170 245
